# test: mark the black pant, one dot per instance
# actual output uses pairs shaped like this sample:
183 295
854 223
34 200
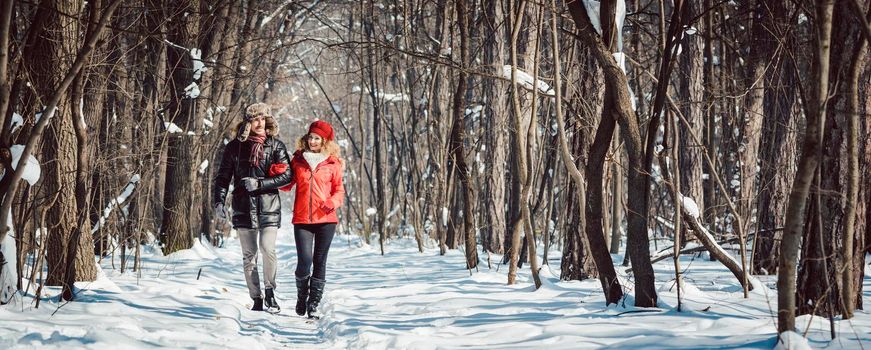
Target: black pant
322 236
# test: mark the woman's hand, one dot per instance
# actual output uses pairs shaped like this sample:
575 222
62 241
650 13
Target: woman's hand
327 207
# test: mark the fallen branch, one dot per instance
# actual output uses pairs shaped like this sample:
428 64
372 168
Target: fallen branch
702 233
669 252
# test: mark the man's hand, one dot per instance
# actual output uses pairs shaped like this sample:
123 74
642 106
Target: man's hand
251 183
221 211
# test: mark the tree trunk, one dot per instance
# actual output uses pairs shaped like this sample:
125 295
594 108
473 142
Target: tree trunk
638 246
59 155
692 92
617 200
457 152
595 210
751 123
91 93
376 129
710 130
729 140
577 263
52 88
777 151
819 292
176 228
496 119
852 257
864 208
94 180
595 169
519 147
213 21
795 219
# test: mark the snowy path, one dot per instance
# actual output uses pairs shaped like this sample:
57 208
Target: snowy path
401 300
167 306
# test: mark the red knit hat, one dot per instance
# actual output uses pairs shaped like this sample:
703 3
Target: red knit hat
322 129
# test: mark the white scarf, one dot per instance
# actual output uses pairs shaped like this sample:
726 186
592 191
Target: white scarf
313 159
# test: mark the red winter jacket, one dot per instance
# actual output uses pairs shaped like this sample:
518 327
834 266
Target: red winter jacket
319 192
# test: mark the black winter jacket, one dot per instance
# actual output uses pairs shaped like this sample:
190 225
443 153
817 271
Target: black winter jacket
260 208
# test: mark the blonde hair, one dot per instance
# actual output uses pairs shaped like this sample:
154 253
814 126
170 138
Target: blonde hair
329 147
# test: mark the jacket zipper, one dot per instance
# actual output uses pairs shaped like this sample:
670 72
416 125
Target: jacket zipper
258 203
310 209
310 184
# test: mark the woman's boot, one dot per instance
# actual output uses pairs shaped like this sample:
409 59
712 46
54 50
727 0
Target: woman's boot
316 291
301 295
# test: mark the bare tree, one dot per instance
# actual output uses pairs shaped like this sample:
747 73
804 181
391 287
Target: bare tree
69 244
819 291
692 91
607 274
496 120
616 91
777 151
176 229
457 153
798 197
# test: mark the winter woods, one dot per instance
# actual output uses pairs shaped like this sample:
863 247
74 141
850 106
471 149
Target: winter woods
583 134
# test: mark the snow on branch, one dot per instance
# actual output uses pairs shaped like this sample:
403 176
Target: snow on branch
172 128
32 170
128 190
592 7
593 12
274 13
199 66
192 90
17 121
386 97
526 80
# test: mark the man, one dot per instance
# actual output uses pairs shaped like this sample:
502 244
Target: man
256 204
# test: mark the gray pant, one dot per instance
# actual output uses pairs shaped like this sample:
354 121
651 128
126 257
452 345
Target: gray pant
248 239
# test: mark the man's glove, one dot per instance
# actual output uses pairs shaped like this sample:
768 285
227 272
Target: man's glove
251 183
221 211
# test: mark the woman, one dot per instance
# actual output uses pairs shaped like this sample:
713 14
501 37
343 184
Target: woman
317 174
256 204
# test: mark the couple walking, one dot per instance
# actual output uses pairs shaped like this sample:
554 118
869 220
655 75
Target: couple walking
256 162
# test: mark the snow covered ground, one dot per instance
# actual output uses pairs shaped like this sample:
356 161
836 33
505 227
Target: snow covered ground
403 300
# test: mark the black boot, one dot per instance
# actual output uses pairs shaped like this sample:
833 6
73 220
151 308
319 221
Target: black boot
301 295
258 304
271 304
316 291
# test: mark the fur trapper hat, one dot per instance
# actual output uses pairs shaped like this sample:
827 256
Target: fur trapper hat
259 109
